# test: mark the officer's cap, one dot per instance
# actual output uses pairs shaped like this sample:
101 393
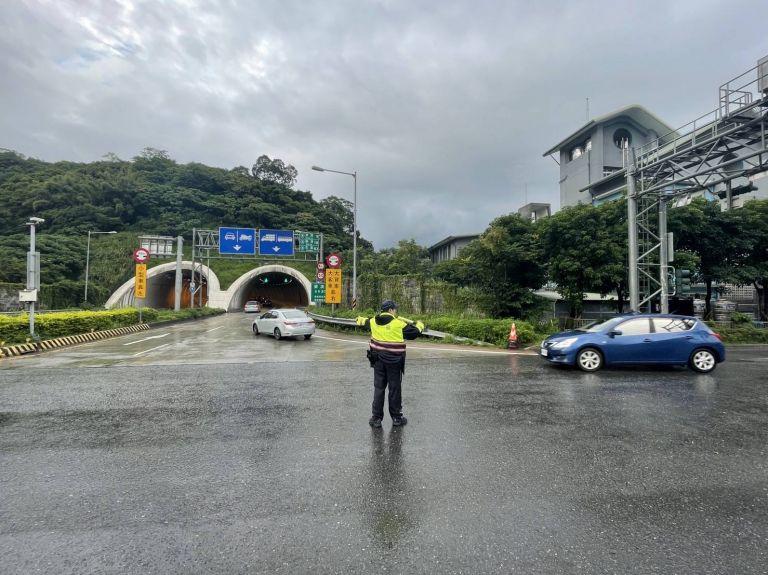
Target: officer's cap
387 305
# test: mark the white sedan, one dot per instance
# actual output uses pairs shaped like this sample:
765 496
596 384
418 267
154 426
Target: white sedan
284 323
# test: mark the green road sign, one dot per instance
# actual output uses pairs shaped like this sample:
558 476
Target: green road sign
308 241
318 292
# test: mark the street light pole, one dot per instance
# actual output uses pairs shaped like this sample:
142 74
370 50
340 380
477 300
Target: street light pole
33 271
88 260
354 225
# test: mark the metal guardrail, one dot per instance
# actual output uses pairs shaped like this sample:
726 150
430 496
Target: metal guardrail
427 332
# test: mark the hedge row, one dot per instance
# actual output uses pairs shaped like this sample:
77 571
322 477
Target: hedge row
494 331
742 334
15 329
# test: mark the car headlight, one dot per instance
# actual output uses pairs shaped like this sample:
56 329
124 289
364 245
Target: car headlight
562 344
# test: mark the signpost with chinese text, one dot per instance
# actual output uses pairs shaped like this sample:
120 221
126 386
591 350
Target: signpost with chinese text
318 292
333 285
308 241
141 281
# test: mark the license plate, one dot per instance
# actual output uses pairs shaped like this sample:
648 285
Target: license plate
544 352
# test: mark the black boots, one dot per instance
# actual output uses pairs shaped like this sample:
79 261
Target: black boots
396 421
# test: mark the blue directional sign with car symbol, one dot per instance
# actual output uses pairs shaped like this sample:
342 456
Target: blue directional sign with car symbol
275 242
237 241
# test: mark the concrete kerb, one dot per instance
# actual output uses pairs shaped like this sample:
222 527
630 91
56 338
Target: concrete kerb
49 344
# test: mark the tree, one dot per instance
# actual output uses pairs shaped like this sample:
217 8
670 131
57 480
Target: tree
504 264
276 171
718 238
408 258
754 265
612 275
584 250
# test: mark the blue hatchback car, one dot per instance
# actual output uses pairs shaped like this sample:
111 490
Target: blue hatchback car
656 339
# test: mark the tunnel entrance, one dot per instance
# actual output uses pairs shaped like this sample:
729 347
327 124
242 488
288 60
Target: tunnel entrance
161 291
274 285
271 289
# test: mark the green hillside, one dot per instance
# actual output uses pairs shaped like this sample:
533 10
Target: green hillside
151 194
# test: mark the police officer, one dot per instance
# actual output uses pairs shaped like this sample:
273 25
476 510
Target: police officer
387 355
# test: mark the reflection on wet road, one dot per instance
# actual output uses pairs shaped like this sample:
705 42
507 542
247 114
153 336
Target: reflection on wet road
199 448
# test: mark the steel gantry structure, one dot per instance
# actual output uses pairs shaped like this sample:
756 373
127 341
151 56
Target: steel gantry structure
712 151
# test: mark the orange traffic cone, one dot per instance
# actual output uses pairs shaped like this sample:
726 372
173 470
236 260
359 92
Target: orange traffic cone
512 340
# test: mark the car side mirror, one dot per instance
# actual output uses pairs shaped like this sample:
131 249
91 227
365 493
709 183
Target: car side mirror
614 332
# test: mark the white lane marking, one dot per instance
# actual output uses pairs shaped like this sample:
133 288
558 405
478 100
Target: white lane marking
341 339
213 329
429 348
150 349
148 338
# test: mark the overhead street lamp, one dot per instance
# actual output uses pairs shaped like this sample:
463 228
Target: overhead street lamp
88 260
354 225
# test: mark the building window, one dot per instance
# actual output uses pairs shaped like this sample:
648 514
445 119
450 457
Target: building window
576 153
622 139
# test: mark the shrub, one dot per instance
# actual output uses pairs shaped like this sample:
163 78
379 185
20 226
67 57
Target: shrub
52 325
742 334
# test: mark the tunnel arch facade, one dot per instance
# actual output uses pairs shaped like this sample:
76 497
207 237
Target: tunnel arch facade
161 287
294 293
289 288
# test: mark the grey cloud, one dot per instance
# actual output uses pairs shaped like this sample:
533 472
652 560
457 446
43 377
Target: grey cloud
443 108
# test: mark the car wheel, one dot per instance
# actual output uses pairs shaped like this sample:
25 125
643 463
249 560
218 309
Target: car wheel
278 335
589 359
255 329
307 336
702 360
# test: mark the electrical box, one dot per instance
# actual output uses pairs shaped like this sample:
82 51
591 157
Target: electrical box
28 296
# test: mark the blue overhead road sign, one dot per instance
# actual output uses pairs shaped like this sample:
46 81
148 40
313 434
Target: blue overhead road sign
237 241
275 242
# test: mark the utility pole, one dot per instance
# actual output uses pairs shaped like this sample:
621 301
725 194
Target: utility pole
33 271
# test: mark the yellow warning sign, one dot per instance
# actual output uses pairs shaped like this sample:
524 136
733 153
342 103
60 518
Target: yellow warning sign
332 285
141 281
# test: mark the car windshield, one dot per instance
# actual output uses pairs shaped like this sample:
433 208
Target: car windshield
251 303
294 314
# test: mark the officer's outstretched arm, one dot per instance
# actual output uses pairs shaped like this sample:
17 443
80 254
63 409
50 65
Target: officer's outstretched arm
412 330
364 322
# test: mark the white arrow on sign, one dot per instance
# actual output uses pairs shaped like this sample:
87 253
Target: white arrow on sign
276 249
237 248
148 338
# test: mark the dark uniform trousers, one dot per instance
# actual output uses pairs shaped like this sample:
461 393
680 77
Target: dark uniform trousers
387 375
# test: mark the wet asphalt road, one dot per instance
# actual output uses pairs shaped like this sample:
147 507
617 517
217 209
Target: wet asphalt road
207 450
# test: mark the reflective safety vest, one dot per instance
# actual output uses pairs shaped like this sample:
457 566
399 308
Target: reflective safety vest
388 336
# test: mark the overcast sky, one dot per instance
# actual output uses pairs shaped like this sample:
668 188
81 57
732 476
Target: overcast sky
443 107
